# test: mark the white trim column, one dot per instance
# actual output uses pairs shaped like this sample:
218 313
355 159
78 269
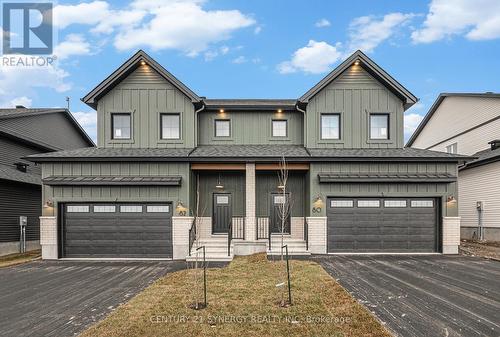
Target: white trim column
451 234
317 234
180 236
250 221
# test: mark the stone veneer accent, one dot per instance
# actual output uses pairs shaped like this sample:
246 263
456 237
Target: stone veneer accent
48 237
317 235
180 236
451 235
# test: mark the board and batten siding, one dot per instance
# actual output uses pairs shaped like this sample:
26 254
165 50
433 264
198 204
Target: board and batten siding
117 193
355 94
234 184
405 190
479 184
267 184
456 115
250 128
145 94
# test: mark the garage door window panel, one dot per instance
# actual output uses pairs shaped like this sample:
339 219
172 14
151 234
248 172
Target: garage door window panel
158 209
395 203
77 209
341 203
104 209
422 203
368 203
131 209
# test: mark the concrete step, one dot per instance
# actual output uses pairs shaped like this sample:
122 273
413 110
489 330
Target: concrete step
211 258
290 253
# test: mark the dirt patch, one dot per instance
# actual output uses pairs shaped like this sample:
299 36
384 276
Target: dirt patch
13 259
487 249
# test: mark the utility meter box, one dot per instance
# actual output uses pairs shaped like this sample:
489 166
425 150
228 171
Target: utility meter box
23 221
479 205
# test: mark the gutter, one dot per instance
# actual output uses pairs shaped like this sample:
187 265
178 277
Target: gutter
196 125
305 124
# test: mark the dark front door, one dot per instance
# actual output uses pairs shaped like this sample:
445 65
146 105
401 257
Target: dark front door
222 213
277 201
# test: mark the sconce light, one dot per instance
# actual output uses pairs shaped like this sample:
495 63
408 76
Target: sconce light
356 63
181 209
318 202
48 204
143 63
221 111
451 199
219 184
281 187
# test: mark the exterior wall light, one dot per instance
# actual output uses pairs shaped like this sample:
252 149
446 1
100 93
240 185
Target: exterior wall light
219 184
280 111
451 199
143 63
48 204
181 209
356 63
221 111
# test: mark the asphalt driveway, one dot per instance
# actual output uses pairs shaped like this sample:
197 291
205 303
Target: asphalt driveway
424 295
62 298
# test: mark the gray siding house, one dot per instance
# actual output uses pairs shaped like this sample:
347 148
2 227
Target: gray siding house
173 171
25 132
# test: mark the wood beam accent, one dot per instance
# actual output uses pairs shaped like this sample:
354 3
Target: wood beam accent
276 166
218 167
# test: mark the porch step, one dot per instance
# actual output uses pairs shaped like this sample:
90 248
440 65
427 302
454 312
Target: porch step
211 258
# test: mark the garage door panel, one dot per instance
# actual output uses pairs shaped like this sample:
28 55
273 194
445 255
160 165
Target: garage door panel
117 234
394 226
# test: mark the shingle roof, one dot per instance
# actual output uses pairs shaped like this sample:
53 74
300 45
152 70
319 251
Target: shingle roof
249 151
400 153
483 157
113 180
18 112
12 174
381 178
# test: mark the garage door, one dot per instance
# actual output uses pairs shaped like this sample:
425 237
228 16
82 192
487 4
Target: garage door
117 230
382 225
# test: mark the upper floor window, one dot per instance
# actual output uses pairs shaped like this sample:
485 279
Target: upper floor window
170 126
222 128
121 125
379 126
279 128
452 148
330 126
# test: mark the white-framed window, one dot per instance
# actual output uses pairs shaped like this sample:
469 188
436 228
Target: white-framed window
330 126
452 148
131 209
279 199
170 126
104 209
394 203
379 126
368 203
77 209
422 203
222 200
341 203
121 125
222 128
158 208
279 128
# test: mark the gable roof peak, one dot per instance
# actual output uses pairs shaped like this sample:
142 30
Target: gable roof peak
373 69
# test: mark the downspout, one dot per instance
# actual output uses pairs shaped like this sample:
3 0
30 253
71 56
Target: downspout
305 123
196 123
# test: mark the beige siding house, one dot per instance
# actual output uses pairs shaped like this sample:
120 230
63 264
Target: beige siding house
469 124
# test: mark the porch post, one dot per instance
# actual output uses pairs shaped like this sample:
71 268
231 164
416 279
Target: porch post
250 221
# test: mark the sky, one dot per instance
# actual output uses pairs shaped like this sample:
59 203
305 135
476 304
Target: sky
265 48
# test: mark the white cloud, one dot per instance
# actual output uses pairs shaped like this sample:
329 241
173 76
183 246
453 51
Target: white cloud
367 32
73 45
89 13
88 120
257 30
315 58
190 28
23 100
224 50
411 122
240 60
322 23
476 20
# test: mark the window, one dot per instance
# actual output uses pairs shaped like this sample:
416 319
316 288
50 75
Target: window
394 203
170 126
368 203
452 148
222 200
104 209
330 126
120 124
279 199
279 128
131 209
379 126
77 209
158 209
422 203
341 203
222 128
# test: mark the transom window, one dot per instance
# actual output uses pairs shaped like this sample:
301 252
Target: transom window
279 128
452 148
170 126
379 126
330 126
222 128
121 125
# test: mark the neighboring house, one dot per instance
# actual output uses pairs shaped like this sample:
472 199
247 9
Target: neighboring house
24 132
161 147
469 124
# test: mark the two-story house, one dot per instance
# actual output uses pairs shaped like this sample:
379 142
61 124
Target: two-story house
23 132
173 171
469 124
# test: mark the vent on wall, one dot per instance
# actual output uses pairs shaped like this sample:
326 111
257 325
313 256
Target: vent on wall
23 167
495 144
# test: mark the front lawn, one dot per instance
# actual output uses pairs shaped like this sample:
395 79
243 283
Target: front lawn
243 301
17 258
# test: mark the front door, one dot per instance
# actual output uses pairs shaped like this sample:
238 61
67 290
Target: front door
277 201
222 213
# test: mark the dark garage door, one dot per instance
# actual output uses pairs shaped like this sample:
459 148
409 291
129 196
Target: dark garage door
117 230
382 225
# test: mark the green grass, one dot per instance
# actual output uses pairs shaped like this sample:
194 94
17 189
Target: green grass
243 301
18 258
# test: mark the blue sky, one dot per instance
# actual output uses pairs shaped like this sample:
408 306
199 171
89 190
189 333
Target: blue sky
266 48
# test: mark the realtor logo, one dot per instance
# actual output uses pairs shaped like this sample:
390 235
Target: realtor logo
27 28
